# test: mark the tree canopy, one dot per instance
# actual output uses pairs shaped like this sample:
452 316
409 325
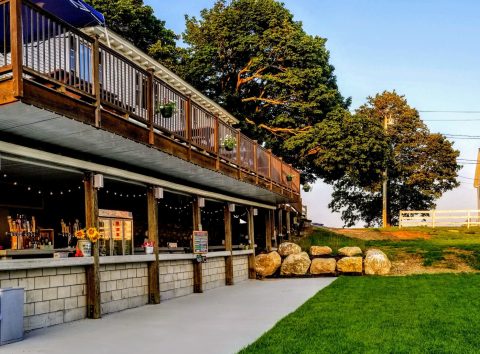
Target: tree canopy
137 23
254 59
421 166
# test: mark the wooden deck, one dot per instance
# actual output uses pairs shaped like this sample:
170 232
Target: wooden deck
60 69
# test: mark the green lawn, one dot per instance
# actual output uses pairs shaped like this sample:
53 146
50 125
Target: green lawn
413 314
433 250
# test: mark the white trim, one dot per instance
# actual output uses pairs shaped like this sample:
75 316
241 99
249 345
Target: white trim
145 61
23 151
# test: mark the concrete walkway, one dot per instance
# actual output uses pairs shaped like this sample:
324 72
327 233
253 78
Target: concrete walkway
221 320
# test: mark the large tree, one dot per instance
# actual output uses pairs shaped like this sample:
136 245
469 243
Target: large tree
254 59
137 23
421 166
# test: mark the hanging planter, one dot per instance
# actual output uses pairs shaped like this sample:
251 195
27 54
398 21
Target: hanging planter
229 142
289 178
167 109
307 187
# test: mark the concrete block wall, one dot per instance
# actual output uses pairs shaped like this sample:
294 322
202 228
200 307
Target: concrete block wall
52 295
123 286
213 273
240 268
176 278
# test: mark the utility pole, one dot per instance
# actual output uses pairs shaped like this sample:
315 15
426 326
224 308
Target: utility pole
386 121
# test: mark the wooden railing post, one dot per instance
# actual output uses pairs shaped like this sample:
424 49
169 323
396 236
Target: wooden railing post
188 122
92 271
188 119
228 245
153 267
239 158
150 106
16 46
96 80
197 267
255 160
217 142
270 168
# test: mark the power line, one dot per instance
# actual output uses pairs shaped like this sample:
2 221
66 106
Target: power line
454 111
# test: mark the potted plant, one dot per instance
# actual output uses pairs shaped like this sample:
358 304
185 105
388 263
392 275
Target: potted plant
307 187
85 239
289 178
148 245
167 109
229 142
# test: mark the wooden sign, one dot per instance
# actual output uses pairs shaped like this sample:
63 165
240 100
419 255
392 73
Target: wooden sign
200 242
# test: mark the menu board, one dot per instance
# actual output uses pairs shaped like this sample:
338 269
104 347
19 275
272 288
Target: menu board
200 242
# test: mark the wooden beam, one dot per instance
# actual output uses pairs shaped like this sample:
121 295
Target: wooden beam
268 230
287 223
197 267
227 216
251 257
153 267
94 309
16 46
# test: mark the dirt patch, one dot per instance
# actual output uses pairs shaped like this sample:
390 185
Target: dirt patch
365 234
408 263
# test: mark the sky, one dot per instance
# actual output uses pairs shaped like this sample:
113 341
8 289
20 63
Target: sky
427 50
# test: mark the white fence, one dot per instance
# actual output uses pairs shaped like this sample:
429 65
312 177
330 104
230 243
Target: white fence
437 218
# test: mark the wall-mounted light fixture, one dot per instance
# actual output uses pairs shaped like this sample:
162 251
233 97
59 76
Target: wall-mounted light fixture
158 192
98 181
201 202
231 207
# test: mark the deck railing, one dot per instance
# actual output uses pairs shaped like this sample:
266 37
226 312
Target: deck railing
53 52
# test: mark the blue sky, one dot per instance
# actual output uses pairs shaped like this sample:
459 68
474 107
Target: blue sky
427 50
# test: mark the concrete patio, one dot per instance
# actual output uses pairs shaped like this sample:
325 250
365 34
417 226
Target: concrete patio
222 320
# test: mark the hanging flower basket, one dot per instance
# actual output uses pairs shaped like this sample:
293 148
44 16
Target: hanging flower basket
307 187
229 142
167 109
289 178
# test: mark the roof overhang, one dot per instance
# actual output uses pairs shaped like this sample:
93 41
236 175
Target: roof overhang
20 120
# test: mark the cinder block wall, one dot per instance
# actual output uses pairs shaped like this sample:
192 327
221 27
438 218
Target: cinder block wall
240 268
213 273
52 295
123 286
176 279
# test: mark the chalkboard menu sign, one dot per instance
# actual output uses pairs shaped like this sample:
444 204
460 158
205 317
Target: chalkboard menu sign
200 242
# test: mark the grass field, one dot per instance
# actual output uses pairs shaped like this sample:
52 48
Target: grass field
441 242
412 314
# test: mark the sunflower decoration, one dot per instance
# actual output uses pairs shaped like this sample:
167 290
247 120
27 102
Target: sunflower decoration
80 234
92 234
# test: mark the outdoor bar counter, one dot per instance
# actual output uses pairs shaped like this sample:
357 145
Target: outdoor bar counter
56 289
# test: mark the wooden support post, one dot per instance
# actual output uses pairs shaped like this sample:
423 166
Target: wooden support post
280 224
94 309
197 267
96 80
150 107
16 46
153 267
228 245
251 257
268 230
287 222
